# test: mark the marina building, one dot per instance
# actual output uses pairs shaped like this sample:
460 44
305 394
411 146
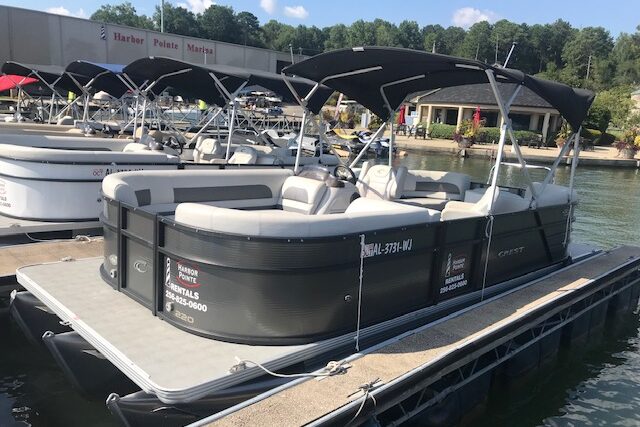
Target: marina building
60 40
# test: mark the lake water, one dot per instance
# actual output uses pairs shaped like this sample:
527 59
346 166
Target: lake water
601 386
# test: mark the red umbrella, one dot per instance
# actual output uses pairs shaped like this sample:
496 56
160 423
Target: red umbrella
11 81
401 119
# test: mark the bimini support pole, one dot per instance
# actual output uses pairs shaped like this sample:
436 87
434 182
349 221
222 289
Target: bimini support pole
504 110
392 141
305 114
574 166
362 152
206 125
232 119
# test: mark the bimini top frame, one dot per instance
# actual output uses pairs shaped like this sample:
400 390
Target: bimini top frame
196 80
382 78
52 76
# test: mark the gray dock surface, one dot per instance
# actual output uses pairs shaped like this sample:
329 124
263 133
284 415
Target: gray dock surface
15 226
16 256
309 400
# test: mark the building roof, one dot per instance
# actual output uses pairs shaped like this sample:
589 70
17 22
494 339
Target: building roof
481 94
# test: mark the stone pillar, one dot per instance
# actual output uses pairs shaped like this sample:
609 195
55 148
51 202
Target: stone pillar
533 121
460 114
545 127
429 115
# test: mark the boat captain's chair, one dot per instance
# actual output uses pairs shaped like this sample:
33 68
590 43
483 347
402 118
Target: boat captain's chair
302 195
381 182
208 149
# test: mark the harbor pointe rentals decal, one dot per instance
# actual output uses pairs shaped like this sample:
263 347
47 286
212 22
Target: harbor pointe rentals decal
181 288
456 271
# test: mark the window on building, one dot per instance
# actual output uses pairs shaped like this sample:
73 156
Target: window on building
452 116
520 121
490 118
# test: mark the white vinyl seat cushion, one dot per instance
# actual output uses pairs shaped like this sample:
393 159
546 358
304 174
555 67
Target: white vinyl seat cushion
504 202
436 185
145 188
244 155
302 195
361 216
552 195
381 182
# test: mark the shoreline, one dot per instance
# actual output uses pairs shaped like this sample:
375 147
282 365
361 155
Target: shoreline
600 157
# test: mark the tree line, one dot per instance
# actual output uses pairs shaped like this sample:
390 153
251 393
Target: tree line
589 57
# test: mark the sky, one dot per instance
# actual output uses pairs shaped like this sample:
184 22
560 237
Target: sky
615 15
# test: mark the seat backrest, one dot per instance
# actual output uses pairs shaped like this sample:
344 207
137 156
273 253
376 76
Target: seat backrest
207 149
552 195
302 195
504 202
381 182
436 185
244 155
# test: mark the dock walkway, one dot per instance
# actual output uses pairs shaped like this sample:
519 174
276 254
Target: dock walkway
432 351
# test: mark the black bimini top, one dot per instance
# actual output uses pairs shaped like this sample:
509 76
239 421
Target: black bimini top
103 77
371 75
53 75
194 80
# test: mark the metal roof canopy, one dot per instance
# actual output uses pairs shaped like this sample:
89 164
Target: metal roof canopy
381 78
196 80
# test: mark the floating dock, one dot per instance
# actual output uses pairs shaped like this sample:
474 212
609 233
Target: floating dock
401 375
14 226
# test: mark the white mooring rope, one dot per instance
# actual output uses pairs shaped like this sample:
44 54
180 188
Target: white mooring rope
488 232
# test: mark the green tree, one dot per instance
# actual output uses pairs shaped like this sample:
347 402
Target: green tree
452 40
386 33
409 35
122 14
618 101
177 20
626 56
433 37
337 37
219 23
594 42
478 43
362 33
250 31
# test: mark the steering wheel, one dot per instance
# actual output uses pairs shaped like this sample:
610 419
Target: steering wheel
172 142
345 173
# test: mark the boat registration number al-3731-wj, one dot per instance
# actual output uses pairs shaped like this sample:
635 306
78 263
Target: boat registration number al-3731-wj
388 248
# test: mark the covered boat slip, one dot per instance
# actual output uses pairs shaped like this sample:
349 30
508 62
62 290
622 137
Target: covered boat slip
406 364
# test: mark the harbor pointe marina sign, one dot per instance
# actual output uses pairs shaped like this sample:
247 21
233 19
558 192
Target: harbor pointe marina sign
68 39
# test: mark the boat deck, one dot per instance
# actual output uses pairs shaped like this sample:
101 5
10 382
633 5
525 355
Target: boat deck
434 347
15 226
